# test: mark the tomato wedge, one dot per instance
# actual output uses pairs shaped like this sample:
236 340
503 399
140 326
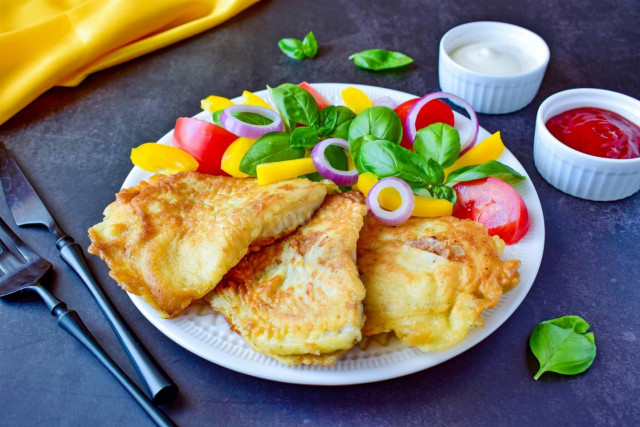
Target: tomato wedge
496 205
435 111
320 100
205 141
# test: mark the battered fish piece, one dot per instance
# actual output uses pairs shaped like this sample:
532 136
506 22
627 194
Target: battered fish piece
300 299
429 279
172 239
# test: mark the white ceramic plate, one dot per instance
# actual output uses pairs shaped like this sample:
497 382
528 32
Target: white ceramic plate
205 333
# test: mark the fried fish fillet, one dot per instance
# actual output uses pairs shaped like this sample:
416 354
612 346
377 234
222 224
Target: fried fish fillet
172 239
429 279
300 299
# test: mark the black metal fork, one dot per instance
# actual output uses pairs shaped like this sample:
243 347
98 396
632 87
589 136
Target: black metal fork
22 271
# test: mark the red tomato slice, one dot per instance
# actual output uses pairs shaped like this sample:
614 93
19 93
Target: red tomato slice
435 111
205 141
496 205
320 100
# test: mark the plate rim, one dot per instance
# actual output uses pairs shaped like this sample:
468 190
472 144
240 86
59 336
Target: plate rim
305 375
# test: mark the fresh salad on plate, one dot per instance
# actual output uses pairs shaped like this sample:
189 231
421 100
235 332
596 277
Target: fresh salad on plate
411 159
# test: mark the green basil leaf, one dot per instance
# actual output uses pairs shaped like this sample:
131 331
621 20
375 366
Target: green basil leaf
293 48
216 117
380 59
304 137
285 122
328 120
355 146
562 345
444 192
336 158
434 172
310 45
343 122
490 168
252 118
296 104
439 142
378 121
385 158
272 147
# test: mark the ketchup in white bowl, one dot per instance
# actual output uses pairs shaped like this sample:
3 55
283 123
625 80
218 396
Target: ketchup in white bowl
598 132
586 143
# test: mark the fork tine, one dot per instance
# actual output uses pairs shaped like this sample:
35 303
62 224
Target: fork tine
22 248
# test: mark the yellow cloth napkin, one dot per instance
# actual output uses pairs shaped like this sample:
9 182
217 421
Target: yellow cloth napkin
46 43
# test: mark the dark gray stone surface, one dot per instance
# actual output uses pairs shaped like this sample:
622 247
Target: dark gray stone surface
74 145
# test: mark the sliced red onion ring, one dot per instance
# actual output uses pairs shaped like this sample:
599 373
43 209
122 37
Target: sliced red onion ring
473 127
246 130
397 216
324 167
385 101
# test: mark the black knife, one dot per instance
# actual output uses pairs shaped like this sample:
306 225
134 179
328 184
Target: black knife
27 209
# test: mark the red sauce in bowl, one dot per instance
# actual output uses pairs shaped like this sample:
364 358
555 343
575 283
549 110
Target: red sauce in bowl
597 132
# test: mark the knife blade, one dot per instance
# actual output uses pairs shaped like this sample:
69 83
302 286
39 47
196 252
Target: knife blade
24 203
28 209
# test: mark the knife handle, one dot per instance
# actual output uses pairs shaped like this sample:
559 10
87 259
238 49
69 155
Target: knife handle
160 387
72 324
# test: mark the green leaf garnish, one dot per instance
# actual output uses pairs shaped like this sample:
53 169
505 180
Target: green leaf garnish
562 345
380 59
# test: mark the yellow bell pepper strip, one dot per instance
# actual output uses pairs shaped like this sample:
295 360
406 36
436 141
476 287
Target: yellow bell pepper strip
390 200
164 159
233 155
488 149
249 98
356 99
213 103
269 173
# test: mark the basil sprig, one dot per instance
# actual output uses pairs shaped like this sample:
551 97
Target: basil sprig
299 49
380 59
563 345
298 107
436 147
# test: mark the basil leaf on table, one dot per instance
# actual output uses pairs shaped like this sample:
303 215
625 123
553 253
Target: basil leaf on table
343 122
385 158
444 192
562 345
310 45
489 168
336 158
272 147
378 121
304 137
439 142
293 48
328 120
380 59
355 146
296 104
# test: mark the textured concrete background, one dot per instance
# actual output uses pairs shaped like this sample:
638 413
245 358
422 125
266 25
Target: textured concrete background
74 145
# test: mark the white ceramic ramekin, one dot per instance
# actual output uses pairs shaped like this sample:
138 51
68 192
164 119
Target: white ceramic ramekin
576 173
492 94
